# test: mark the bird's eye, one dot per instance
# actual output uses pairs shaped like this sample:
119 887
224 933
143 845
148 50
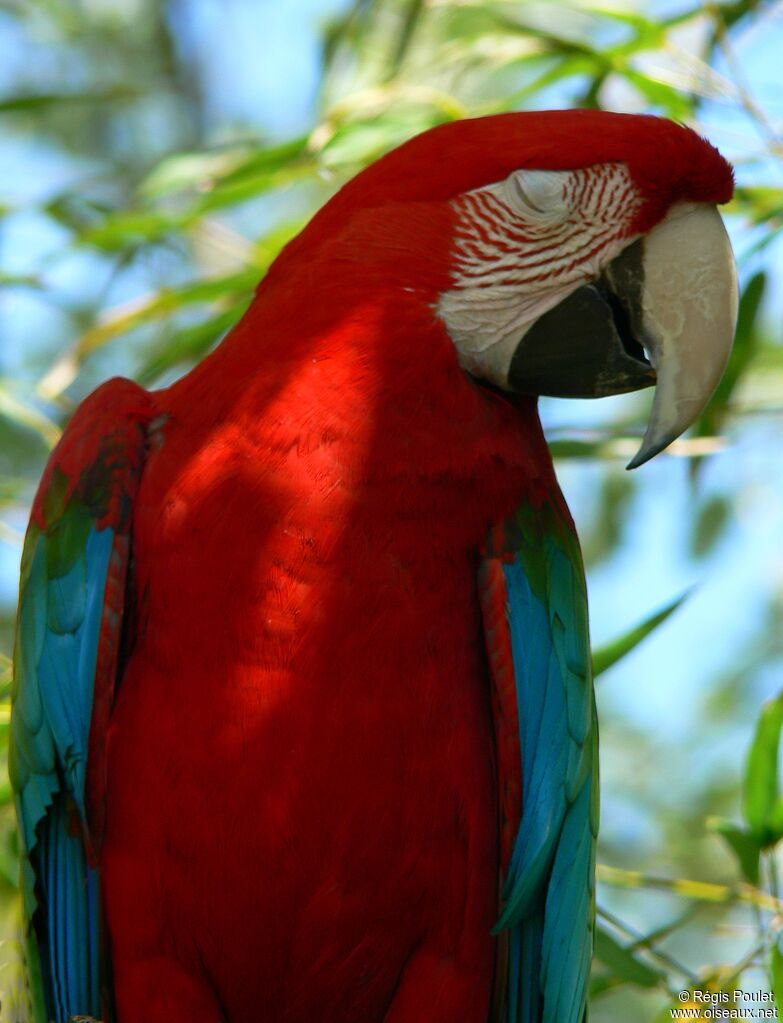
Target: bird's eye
542 192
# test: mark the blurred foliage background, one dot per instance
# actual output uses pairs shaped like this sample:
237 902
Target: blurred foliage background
154 157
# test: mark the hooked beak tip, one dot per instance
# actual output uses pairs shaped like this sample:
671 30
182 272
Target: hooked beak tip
645 453
653 443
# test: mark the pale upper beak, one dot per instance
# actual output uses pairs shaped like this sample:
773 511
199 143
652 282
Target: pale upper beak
663 312
689 314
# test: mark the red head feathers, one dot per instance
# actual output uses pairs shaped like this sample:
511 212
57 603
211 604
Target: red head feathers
667 161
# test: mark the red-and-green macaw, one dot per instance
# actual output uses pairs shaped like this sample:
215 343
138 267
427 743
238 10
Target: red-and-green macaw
303 724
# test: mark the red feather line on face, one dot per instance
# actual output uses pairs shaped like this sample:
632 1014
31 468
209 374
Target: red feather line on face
496 246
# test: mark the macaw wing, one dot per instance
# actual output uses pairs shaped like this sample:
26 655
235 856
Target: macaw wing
534 607
69 630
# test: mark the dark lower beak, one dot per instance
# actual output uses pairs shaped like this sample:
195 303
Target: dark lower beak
589 346
672 296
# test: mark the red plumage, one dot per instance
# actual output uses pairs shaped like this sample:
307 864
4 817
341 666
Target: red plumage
301 759
302 808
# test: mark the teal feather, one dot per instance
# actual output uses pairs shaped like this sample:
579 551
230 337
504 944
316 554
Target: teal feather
568 912
66 600
58 631
78 540
548 895
528 935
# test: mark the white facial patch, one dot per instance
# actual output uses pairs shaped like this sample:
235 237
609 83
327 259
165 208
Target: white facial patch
524 244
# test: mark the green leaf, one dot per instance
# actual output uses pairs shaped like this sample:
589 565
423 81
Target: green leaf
11 280
761 774
668 99
34 103
237 190
361 129
226 288
776 972
762 203
188 344
608 523
709 525
190 170
22 413
229 175
130 228
608 655
623 963
743 844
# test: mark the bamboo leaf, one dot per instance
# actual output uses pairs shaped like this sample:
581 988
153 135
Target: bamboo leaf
699 891
22 413
10 280
709 525
204 169
776 973
188 344
610 654
761 774
36 102
742 843
166 301
130 228
663 96
622 961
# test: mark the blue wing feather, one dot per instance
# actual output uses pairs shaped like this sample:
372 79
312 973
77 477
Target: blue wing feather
70 611
57 647
548 895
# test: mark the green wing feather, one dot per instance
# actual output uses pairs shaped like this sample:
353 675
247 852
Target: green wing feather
65 666
548 884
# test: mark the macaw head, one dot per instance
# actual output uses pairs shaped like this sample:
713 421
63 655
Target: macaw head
567 253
